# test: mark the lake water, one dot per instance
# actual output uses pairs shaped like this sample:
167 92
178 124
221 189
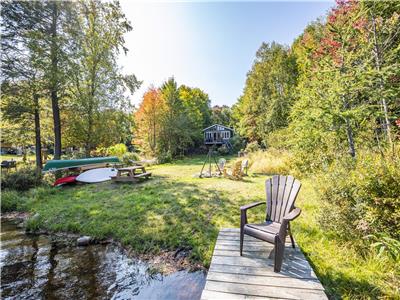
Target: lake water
34 267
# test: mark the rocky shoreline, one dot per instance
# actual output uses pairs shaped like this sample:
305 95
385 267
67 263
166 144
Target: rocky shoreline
164 262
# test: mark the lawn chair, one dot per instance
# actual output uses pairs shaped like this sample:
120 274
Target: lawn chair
221 164
244 167
281 194
235 173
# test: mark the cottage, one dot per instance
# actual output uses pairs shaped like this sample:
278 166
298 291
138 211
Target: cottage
217 135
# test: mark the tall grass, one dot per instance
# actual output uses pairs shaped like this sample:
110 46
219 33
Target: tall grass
270 162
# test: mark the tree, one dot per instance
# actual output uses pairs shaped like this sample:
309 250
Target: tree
268 94
148 120
98 86
222 115
54 46
22 81
170 119
379 23
196 105
175 135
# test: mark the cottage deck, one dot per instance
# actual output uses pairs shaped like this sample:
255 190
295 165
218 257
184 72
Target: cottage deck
251 276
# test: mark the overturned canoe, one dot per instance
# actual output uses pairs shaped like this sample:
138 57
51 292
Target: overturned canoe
65 180
54 165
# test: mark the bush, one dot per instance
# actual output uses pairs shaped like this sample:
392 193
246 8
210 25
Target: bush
270 162
48 179
252 147
128 157
278 139
12 201
164 158
99 151
21 180
237 143
362 197
117 150
223 150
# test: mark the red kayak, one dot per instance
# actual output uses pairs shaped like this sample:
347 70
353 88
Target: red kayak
65 180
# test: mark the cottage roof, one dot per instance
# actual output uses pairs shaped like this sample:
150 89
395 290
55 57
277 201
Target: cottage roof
218 125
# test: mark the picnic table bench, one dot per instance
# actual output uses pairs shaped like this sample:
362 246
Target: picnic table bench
8 164
131 174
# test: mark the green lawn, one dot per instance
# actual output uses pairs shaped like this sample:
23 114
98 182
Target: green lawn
18 158
176 209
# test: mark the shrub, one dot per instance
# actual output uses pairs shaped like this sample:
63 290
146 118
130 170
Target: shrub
99 151
117 150
76 154
362 196
21 180
278 139
237 143
164 158
48 179
384 244
128 157
252 147
12 201
270 162
223 150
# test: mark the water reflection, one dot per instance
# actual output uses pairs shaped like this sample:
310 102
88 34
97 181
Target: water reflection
34 267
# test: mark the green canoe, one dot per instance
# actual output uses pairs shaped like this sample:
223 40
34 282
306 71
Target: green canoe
53 165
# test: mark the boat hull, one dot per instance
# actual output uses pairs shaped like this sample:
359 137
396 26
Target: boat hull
62 164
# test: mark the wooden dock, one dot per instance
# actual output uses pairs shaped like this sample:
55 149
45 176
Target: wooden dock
251 276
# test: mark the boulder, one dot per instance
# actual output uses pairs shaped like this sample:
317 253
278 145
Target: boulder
83 240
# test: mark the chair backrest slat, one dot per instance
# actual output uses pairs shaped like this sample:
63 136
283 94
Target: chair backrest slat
293 195
281 193
268 191
280 201
288 189
275 186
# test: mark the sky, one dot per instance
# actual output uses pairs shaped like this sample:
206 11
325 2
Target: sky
209 45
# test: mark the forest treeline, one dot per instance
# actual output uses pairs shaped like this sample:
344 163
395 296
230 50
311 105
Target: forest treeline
61 84
331 104
335 90
170 119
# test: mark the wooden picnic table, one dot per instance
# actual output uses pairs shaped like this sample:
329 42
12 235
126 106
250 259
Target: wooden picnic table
131 168
130 174
8 164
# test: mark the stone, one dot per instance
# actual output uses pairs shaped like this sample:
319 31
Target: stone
83 241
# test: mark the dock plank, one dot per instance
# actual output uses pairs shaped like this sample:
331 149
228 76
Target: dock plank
213 295
264 291
266 280
251 276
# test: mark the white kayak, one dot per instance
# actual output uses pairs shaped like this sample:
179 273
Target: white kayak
97 175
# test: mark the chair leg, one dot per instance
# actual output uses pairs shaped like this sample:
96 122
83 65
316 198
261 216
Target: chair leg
241 240
291 236
279 251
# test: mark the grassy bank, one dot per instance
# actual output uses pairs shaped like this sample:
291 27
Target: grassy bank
176 209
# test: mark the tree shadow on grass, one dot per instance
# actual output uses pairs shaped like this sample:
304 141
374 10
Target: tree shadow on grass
158 214
182 215
337 285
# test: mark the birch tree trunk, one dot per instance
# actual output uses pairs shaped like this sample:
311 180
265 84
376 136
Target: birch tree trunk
378 65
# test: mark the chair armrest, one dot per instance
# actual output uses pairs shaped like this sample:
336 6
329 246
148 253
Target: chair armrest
292 215
286 219
243 212
246 207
